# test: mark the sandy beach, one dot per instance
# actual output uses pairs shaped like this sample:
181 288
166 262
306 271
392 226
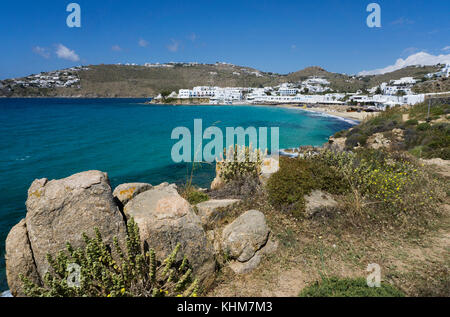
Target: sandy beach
334 110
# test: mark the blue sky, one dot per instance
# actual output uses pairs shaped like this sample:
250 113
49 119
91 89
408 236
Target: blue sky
278 36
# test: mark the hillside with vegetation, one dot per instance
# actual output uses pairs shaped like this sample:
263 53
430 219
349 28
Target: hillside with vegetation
437 85
141 82
338 208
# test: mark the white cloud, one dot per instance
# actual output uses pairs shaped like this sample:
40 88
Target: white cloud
143 43
42 51
401 21
447 48
116 48
66 53
421 58
410 50
193 37
174 46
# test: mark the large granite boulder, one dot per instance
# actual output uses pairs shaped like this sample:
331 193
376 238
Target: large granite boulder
246 267
242 238
125 192
213 210
165 219
19 259
59 211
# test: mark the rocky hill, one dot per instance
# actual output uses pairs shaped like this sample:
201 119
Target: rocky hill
140 81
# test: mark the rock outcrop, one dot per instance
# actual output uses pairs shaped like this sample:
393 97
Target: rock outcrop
335 144
212 210
59 211
245 235
166 219
378 140
19 259
125 192
245 240
246 267
318 202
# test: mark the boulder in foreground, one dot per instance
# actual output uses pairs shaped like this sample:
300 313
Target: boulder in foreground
242 238
19 259
212 210
125 192
166 219
60 211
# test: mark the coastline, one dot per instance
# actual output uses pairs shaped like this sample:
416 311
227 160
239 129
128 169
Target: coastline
332 110
335 111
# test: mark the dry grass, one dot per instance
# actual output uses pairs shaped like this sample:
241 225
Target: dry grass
416 262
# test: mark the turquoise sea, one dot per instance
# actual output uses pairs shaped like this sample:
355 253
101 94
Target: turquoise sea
55 138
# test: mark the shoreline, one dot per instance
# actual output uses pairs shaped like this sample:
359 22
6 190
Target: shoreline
332 110
338 112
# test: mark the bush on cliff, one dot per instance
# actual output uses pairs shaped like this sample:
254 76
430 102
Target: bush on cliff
424 140
389 187
432 140
297 178
347 287
103 273
240 161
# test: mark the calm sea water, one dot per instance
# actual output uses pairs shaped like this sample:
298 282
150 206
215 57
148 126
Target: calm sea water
55 138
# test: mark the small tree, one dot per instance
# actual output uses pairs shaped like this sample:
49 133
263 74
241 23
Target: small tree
165 93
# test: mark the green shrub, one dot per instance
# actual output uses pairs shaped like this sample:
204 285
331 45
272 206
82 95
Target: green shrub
346 287
240 161
420 111
411 122
194 196
423 126
432 140
133 273
417 151
393 185
298 177
340 134
355 140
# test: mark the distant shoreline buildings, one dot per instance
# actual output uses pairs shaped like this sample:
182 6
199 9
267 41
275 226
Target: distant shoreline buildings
314 90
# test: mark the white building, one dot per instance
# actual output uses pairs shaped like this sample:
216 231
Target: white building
287 90
388 100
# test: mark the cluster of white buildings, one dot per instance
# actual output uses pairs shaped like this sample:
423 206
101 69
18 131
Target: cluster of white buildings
444 72
284 93
216 95
57 79
311 91
392 88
